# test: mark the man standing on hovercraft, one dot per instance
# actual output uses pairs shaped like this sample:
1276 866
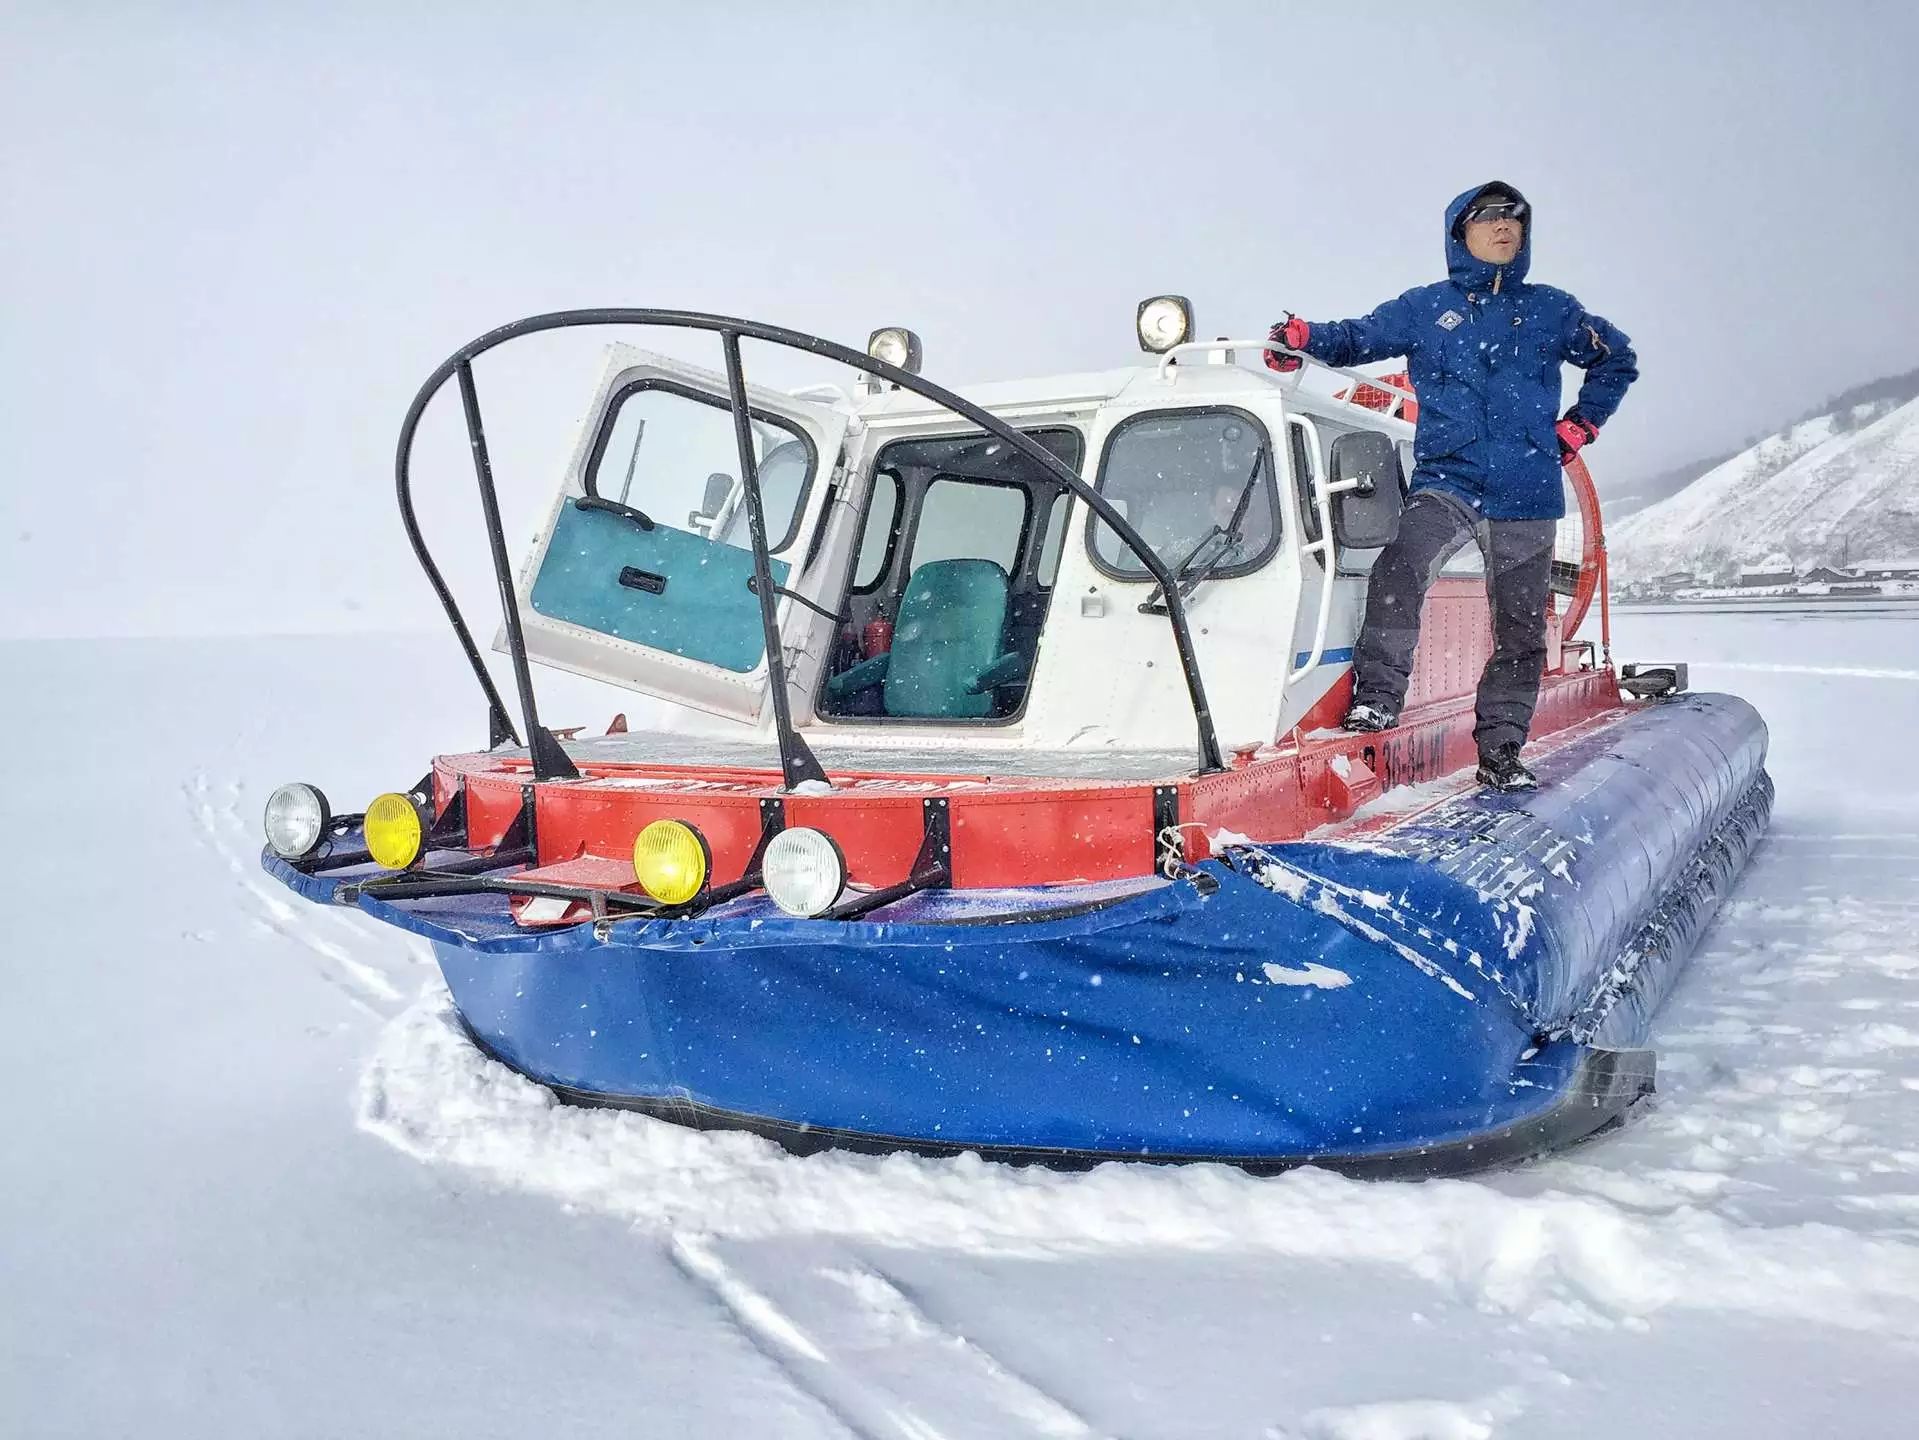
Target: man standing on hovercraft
1484 350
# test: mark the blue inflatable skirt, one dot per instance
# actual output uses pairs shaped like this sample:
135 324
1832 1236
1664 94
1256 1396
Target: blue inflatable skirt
1467 988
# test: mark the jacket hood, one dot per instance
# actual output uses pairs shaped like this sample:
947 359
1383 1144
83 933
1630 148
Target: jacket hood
1468 273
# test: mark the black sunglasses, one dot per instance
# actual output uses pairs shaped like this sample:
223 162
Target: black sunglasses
1488 210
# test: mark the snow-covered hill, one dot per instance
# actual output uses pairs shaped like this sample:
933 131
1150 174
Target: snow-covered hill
1836 490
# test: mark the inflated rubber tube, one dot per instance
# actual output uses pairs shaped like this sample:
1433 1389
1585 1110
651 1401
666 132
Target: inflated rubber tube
1579 896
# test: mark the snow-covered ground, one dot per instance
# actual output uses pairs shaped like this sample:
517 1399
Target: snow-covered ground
255 1185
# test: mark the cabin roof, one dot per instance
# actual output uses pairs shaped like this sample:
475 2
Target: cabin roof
1127 385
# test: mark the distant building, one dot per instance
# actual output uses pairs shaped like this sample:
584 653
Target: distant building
1906 569
1829 575
1754 576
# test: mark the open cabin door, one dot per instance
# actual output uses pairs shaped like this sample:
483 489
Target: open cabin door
641 575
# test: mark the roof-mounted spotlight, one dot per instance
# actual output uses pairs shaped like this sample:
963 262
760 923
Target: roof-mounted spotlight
897 346
1163 322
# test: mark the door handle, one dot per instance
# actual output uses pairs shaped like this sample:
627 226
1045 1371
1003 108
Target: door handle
614 507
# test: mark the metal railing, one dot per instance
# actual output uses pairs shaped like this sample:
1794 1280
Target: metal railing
1400 398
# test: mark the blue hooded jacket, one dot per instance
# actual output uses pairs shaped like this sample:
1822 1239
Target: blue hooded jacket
1484 349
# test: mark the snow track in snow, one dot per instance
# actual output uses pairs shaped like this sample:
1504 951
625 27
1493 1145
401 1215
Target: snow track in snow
849 1336
373 966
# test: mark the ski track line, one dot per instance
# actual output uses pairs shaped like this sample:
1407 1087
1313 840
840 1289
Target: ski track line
860 1311
894 1314
278 912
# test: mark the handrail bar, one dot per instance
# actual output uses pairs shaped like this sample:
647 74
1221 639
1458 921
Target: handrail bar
1323 547
1401 398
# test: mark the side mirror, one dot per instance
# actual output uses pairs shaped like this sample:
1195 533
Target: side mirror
1368 490
707 519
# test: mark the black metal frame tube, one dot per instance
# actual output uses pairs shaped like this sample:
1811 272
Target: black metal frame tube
550 761
797 763
499 723
1209 753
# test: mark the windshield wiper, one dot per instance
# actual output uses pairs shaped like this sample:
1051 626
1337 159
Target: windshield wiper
1189 575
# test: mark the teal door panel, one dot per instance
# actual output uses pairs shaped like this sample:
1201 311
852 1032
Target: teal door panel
681 593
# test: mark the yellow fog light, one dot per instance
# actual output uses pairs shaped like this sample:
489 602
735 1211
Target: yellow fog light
395 830
670 860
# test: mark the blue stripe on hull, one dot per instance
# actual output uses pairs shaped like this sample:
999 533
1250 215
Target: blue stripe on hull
1326 657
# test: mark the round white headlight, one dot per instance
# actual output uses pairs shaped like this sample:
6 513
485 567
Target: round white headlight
896 346
297 819
1165 321
804 871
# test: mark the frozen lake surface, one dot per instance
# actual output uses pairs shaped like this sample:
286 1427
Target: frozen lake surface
257 1186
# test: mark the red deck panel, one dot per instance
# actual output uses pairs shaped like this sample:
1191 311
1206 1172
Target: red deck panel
1025 830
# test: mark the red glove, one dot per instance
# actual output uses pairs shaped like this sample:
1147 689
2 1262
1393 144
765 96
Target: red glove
1293 333
1574 431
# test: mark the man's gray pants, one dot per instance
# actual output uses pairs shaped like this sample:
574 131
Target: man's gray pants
1518 555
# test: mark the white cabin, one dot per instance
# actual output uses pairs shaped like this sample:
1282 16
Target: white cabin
1015 614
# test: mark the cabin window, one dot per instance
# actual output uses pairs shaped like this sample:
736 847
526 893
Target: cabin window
1053 541
881 529
968 519
945 602
1183 476
671 454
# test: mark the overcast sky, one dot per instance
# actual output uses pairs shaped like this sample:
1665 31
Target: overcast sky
235 238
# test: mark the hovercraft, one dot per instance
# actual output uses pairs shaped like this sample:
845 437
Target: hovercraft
1031 835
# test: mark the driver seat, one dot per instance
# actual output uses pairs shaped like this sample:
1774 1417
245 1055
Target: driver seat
949 645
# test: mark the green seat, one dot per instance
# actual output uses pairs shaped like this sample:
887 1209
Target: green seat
948 645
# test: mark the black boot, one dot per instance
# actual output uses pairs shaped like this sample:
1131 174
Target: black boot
1368 718
1501 769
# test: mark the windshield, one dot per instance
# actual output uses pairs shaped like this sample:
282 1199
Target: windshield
1183 477
673 456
